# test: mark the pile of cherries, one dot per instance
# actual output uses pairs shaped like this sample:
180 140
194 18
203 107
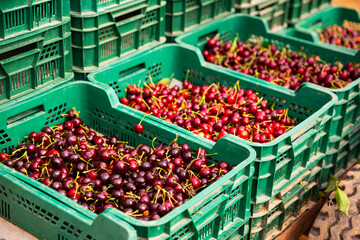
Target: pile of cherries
211 111
283 67
102 172
342 36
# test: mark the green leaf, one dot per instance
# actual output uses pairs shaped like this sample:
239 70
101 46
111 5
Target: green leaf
234 44
358 161
322 194
165 81
342 201
332 184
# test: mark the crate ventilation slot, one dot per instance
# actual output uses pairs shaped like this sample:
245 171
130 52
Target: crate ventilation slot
181 234
54 114
45 10
154 71
14 19
4 209
4 138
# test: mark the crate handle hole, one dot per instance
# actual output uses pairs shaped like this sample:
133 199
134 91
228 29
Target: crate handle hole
206 36
26 114
18 51
128 15
317 23
137 68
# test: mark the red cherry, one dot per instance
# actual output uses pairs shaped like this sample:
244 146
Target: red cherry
197 165
138 128
243 134
195 182
3 156
93 174
221 134
47 181
207 136
205 127
53 152
223 165
133 165
253 97
60 127
124 101
205 172
34 136
231 99
69 125
73 193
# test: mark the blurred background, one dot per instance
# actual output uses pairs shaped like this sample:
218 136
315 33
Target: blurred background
347 3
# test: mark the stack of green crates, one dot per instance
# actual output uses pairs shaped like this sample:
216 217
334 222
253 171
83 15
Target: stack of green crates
278 163
344 152
300 9
103 31
183 15
346 122
269 219
346 115
219 211
307 28
273 11
272 183
35 46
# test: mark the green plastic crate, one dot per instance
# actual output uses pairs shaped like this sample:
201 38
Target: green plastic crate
347 108
23 16
89 7
323 19
321 4
293 33
100 38
241 233
40 214
274 12
181 15
344 153
279 16
324 3
252 2
35 60
300 9
247 8
214 213
269 219
277 162
306 29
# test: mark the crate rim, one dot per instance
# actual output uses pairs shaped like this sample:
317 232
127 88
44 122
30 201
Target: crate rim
327 8
298 27
264 84
90 218
27 33
112 9
112 99
178 40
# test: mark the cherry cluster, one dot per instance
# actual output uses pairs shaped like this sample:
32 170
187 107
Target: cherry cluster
211 111
101 172
342 36
280 66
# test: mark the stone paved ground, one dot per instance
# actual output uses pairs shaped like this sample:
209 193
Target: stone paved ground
8 231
